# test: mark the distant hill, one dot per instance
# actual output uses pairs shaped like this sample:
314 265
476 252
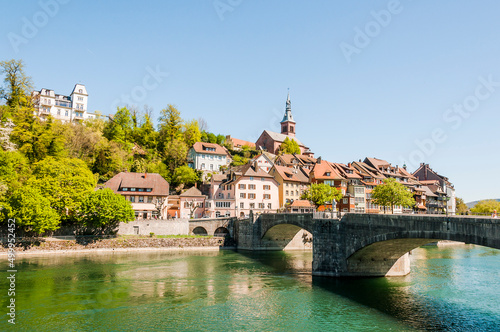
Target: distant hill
471 204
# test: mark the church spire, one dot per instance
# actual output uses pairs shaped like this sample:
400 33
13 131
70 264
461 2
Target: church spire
288 124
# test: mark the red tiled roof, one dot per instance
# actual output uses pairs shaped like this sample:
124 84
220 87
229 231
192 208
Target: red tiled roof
159 186
322 170
291 174
240 142
192 192
301 203
201 147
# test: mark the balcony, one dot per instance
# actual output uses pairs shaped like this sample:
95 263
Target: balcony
63 104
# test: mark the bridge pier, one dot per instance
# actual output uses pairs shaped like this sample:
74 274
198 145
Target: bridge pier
366 245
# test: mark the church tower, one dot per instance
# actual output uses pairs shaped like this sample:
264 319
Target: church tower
287 124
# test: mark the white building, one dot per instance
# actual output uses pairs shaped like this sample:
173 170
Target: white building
64 108
208 157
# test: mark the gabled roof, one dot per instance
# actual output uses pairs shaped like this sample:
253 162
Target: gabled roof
192 192
301 203
240 142
201 147
281 137
325 171
291 174
346 171
250 169
159 186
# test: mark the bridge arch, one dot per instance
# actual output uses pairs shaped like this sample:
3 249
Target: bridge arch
286 237
221 231
199 230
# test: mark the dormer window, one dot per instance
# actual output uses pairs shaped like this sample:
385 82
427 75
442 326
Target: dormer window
328 173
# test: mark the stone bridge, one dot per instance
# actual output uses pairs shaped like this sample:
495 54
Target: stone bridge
362 245
217 226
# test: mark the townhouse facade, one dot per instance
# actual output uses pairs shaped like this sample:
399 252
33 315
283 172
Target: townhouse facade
147 192
292 182
208 157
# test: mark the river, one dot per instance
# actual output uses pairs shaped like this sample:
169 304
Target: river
454 288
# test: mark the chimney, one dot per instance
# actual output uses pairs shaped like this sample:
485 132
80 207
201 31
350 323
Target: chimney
145 175
318 161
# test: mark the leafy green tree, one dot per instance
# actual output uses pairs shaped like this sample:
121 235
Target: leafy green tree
192 133
170 125
18 85
104 210
392 193
461 207
486 207
146 135
239 160
211 138
32 211
35 138
14 169
289 146
119 126
110 159
175 154
184 176
160 168
320 194
220 139
64 182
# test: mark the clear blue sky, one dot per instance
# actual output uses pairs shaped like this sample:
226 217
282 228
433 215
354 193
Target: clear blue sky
232 65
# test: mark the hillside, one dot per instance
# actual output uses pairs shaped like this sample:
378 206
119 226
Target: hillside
471 204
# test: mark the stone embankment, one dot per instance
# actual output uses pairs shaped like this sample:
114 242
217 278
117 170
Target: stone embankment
120 244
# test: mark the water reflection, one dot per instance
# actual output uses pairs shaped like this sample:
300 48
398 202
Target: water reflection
449 288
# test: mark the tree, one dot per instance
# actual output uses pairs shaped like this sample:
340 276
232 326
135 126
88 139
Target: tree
392 193
461 206
104 209
175 154
32 211
238 160
486 207
184 176
119 126
320 194
35 138
192 133
14 169
170 125
289 146
109 159
65 182
18 85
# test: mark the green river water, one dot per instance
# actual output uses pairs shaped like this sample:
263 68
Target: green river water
454 288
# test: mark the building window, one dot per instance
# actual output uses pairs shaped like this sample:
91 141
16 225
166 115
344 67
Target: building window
269 206
243 195
58 112
217 214
221 195
345 201
132 189
286 192
228 195
261 205
66 113
262 179
252 205
150 199
267 187
251 178
211 167
132 199
202 166
242 186
251 196
242 205
251 186
267 196
80 91
141 199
